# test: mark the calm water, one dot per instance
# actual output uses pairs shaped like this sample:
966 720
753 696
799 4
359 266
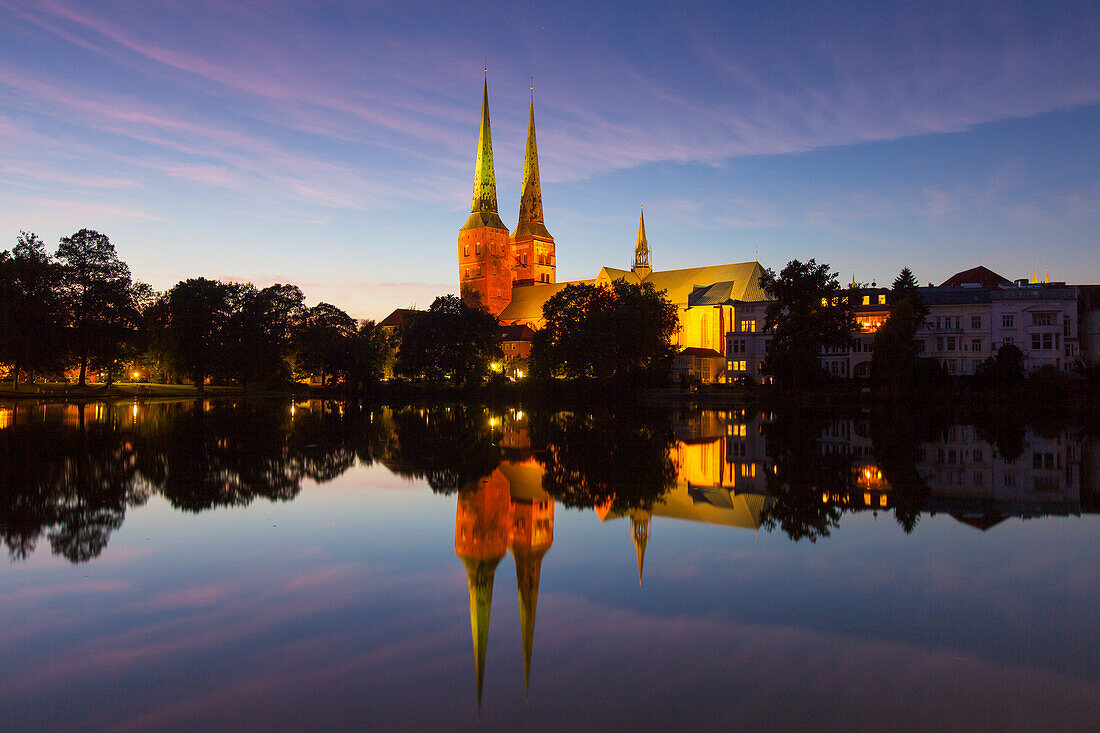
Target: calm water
268 565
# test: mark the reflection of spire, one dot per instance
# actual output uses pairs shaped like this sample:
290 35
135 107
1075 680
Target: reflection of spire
481 539
532 535
479 576
528 570
639 528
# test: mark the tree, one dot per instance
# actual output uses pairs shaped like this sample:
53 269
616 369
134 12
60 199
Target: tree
621 334
905 288
31 310
198 315
808 312
449 340
1003 369
96 288
323 343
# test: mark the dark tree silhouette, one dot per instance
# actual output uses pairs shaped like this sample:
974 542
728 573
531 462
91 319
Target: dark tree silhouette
450 340
96 287
31 310
198 315
620 334
809 312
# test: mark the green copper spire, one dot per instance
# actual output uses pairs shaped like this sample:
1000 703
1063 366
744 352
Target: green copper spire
641 247
479 576
483 212
530 202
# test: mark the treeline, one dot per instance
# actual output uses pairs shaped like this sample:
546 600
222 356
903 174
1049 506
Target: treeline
79 309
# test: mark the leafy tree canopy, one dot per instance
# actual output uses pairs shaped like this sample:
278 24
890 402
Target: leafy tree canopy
808 312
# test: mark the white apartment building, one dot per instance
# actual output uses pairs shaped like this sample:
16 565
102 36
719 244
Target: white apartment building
967 323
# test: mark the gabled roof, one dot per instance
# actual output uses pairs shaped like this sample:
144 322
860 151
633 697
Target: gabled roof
399 317
518 332
734 282
527 300
979 275
743 279
697 351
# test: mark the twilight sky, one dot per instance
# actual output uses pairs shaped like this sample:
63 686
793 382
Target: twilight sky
331 144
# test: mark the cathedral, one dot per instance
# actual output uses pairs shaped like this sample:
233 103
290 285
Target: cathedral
513 274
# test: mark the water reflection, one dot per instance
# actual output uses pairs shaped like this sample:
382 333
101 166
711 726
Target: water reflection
69 472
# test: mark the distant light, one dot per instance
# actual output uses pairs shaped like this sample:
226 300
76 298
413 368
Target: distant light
135 375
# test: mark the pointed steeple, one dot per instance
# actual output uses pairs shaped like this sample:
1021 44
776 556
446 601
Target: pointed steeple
639 528
530 201
528 570
483 212
641 249
479 577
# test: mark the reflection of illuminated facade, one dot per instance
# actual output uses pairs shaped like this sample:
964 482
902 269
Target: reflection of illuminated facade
967 476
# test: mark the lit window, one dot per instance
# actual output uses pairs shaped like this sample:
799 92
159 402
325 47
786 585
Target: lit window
748 326
867 300
882 299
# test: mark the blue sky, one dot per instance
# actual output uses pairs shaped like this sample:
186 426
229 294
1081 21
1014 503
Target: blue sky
331 144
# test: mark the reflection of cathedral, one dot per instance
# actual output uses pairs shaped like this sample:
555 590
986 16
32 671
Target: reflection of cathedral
491 518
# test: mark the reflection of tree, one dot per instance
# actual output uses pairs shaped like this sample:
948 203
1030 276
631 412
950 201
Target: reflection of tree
897 438
617 457
450 446
74 483
803 481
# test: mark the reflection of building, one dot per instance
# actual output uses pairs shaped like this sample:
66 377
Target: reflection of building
720 477
507 510
967 476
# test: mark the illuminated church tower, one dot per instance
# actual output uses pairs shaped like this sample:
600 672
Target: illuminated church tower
533 256
641 266
482 531
484 248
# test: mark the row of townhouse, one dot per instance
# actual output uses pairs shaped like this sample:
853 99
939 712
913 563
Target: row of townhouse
971 316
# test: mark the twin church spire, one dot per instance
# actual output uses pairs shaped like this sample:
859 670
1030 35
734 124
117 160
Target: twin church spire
483 211
492 260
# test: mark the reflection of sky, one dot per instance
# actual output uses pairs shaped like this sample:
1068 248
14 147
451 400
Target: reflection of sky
348 607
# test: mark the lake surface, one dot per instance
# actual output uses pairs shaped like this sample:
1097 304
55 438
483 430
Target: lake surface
278 565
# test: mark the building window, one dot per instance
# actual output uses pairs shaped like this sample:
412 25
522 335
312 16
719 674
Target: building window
465 250
939 343
976 322
737 366
950 343
976 345
1042 319
882 299
951 366
1007 341
1043 341
477 248
748 326
737 346
867 300
1008 320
